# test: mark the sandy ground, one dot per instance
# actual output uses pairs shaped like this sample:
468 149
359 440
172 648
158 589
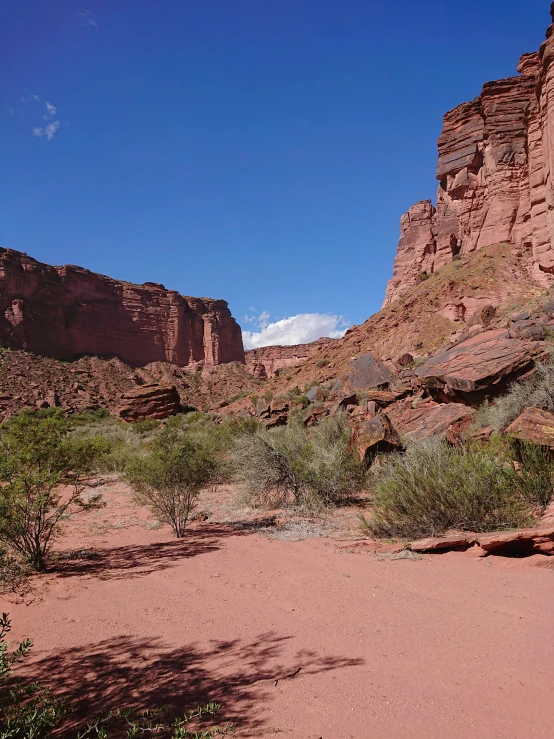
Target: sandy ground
444 646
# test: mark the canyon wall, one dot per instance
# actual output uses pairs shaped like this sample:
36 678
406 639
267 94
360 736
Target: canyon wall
66 312
495 172
267 361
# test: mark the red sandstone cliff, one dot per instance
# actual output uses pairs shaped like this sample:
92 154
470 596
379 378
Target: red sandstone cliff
267 361
66 312
495 173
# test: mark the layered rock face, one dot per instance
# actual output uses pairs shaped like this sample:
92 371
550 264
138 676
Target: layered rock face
495 173
267 361
66 312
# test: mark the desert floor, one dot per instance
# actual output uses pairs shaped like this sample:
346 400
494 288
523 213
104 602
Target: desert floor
319 637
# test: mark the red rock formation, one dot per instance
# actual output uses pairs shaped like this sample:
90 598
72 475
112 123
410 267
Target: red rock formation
66 312
495 179
267 361
534 425
149 401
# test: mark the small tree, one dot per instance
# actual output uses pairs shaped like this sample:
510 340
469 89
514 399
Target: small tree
41 472
170 477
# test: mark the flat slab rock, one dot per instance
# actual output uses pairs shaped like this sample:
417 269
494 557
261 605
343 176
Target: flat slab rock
479 362
538 540
429 419
534 425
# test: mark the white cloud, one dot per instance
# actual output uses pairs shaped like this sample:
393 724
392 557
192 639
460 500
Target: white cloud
300 329
50 111
48 132
87 18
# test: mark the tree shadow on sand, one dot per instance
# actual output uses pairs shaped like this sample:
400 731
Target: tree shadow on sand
138 560
143 673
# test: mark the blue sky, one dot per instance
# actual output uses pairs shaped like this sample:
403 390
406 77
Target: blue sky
260 151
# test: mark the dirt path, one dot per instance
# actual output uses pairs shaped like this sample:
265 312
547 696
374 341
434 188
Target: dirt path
440 647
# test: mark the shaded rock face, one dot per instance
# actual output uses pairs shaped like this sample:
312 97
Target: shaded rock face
495 179
149 401
66 312
268 361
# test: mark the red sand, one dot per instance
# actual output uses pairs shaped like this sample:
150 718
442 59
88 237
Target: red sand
446 646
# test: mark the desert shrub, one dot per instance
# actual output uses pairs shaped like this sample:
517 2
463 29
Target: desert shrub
37 457
145 427
120 440
535 473
27 711
536 392
90 416
169 478
433 487
292 465
157 722
322 362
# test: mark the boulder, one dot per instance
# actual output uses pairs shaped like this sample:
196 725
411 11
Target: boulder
374 436
149 401
262 408
431 419
274 421
483 363
278 407
405 360
368 372
535 426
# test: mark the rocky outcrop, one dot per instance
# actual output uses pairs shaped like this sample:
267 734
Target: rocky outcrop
518 543
535 426
268 361
479 367
149 402
428 419
67 312
374 436
495 179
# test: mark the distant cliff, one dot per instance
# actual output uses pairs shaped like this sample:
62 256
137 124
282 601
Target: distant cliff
267 361
495 173
67 312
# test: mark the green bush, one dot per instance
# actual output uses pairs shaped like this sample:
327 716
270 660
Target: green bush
295 466
37 457
169 478
433 487
537 392
535 473
145 427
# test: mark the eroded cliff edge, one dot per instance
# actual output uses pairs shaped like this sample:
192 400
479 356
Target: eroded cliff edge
495 172
67 312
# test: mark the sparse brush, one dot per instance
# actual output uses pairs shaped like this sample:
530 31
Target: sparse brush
537 392
309 468
535 474
433 487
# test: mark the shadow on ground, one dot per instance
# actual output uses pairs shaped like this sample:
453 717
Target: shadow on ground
127 672
138 560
